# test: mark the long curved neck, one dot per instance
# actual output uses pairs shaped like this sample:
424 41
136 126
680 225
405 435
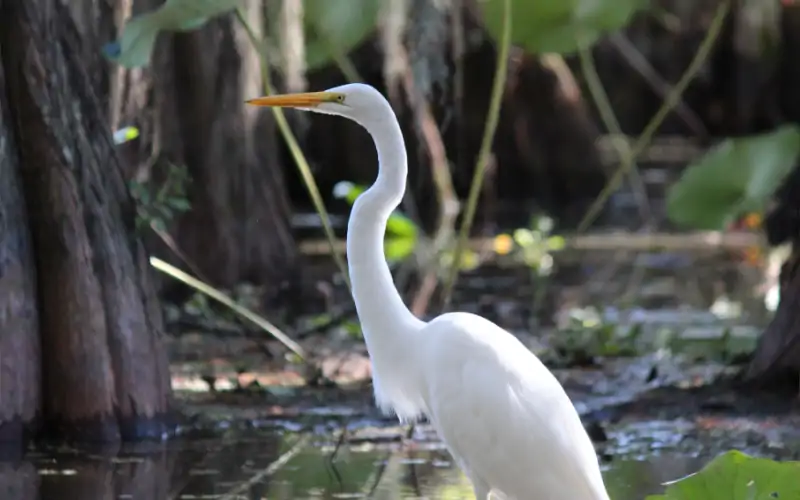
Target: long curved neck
378 303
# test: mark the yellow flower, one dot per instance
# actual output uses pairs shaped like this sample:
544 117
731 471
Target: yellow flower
503 244
752 221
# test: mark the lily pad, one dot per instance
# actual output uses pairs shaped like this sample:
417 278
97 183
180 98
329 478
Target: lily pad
559 26
737 476
135 47
736 177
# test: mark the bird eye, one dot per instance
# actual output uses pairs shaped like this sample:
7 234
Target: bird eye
340 99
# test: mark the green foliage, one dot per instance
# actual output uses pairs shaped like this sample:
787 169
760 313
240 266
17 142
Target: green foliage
397 249
402 234
467 261
336 27
536 245
734 475
560 26
135 46
398 225
156 209
588 335
125 134
736 177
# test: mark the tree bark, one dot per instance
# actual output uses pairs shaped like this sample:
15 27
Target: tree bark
777 357
20 356
19 480
238 228
105 372
544 145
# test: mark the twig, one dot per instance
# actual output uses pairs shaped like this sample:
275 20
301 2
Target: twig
700 240
669 102
297 153
227 301
422 298
330 460
272 469
445 193
379 472
639 62
492 118
669 150
458 39
612 125
173 245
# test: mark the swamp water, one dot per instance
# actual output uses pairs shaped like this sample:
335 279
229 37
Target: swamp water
707 310
282 466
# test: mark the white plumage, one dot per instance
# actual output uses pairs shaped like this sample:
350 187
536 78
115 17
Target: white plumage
501 413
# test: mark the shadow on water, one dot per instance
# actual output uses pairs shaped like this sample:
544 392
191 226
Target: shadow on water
278 466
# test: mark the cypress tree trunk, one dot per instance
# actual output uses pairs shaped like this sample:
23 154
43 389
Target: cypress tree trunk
105 371
20 356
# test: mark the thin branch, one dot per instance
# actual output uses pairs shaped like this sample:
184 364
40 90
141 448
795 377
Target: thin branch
700 240
297 152
492 118
229 302
666 107
612 125
639 62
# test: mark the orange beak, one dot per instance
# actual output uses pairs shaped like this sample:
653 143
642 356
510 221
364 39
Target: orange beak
301 100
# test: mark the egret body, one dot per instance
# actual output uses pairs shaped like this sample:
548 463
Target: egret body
502 414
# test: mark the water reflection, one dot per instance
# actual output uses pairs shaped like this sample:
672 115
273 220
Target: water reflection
278 467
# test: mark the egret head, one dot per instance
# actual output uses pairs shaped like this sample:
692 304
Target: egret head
356 101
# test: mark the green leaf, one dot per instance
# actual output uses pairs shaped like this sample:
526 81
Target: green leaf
543 224
736 177
135 46
348 191
737 476
469 260
125 134
336 27
397 249
158 224
524 237
165 211
555 243
560 26
401 226
179 204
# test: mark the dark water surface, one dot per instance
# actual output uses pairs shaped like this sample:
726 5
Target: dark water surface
686 312
275 466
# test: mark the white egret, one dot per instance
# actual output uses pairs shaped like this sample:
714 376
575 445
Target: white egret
501 413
